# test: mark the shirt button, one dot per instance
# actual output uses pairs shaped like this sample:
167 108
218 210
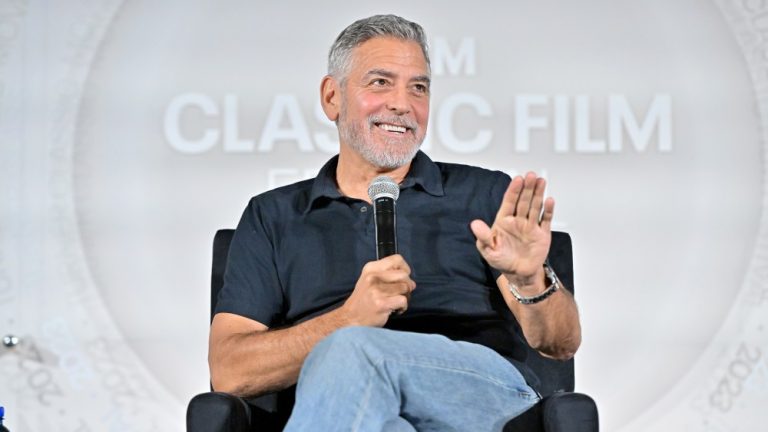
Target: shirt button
363 209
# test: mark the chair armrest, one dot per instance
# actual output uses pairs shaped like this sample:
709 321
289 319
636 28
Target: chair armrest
560 412
223 412
218 412
570 412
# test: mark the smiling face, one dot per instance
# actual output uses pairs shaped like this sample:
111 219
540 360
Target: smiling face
382 107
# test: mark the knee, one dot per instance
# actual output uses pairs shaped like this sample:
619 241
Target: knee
346 345
353 336
351 340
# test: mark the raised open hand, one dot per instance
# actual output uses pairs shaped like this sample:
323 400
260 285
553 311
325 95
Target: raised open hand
518 242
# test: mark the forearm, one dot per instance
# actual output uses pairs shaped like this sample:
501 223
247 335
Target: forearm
247 359
257 362
551 326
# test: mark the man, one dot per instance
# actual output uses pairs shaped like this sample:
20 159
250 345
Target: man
304 293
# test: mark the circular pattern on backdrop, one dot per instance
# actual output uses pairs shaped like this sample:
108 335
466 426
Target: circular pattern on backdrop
663 232
642 215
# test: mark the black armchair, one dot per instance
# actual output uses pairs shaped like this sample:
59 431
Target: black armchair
561 410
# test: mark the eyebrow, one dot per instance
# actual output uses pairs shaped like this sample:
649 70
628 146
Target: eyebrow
389 74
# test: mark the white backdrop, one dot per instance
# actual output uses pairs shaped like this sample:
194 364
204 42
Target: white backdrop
131 131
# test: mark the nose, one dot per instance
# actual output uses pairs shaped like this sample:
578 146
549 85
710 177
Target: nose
398 102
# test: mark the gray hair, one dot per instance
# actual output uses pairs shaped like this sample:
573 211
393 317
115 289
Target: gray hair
340 55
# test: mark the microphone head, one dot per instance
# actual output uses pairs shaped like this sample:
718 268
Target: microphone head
383 186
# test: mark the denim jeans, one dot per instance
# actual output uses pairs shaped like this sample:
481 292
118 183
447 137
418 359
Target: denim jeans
372 379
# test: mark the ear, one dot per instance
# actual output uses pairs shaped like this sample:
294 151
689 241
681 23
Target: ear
330 97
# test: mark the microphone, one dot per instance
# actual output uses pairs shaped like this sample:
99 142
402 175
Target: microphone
383 192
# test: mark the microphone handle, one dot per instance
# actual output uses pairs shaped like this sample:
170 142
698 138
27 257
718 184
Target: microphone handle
384 218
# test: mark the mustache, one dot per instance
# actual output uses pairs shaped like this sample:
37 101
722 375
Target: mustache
393 120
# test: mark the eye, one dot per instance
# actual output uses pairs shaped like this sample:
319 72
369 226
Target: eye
379 82
421 88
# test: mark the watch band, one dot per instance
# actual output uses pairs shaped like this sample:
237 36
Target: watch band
554 285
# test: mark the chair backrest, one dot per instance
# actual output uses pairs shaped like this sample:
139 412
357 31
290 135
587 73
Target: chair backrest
279 403
555 375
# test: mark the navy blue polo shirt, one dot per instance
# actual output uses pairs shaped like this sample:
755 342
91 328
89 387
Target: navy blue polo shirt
299 250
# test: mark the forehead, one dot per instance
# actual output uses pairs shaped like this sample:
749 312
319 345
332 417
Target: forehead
389 53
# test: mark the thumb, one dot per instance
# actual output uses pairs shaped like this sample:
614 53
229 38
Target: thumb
482 233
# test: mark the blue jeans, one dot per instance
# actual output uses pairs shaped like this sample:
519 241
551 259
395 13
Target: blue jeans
372 379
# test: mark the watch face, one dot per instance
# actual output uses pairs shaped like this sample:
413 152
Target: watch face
130 137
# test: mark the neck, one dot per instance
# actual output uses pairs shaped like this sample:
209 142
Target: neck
354 174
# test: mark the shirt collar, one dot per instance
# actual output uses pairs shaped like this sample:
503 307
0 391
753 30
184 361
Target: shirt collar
324 185
423 173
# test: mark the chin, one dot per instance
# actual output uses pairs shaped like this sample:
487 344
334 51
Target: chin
391 161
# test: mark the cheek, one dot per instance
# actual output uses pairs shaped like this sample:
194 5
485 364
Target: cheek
421 112
370 103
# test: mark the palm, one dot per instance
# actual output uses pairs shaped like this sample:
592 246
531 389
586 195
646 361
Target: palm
518 241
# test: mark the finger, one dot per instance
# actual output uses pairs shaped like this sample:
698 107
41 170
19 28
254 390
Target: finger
482 233
391 262
392 289
537 201
524 203
549 212
395 282
509 201
397 304
402 287
409 286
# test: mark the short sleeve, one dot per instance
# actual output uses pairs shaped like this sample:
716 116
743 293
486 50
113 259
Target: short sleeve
251 284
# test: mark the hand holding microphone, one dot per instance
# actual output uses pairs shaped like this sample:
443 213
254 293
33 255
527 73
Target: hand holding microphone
384 285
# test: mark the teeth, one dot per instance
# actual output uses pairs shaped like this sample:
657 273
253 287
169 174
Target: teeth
392 128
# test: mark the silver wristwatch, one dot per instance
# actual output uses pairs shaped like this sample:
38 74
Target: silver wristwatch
554 285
